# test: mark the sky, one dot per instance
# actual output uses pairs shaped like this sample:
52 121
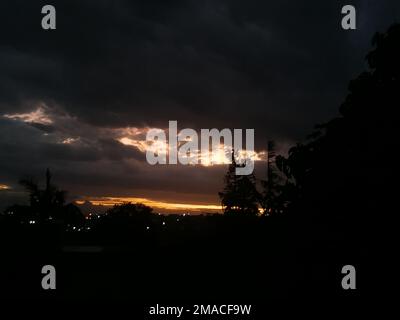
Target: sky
80 99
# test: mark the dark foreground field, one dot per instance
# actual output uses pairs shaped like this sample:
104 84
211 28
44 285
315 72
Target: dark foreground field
187 260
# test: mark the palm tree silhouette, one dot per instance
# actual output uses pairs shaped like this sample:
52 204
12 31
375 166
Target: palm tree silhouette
45 202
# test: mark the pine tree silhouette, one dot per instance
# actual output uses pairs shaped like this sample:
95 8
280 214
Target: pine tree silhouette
240 195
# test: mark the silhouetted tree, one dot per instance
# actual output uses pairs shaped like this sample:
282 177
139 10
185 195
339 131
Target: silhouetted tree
136 210
343 170
47 204
271 197
240 194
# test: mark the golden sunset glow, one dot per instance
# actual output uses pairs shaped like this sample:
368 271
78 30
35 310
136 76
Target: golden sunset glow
155 146
69 140
4 187
223 156
160 205
136 137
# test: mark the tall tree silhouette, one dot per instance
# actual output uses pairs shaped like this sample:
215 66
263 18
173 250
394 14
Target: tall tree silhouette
272 186
343 171
45 202
240 194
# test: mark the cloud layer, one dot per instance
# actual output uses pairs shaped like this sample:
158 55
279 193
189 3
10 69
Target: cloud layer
68 97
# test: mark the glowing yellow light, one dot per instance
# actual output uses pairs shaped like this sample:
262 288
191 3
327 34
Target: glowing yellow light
136 137
69 140
111 201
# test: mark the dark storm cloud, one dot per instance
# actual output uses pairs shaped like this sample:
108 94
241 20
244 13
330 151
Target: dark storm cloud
276 66
203 63
93 165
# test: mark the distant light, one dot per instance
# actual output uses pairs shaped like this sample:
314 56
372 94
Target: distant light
32 221
177 219
73 228
163 223
184 214
147 228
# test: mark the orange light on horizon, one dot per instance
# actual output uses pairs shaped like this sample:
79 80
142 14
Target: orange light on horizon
4 187
111 201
